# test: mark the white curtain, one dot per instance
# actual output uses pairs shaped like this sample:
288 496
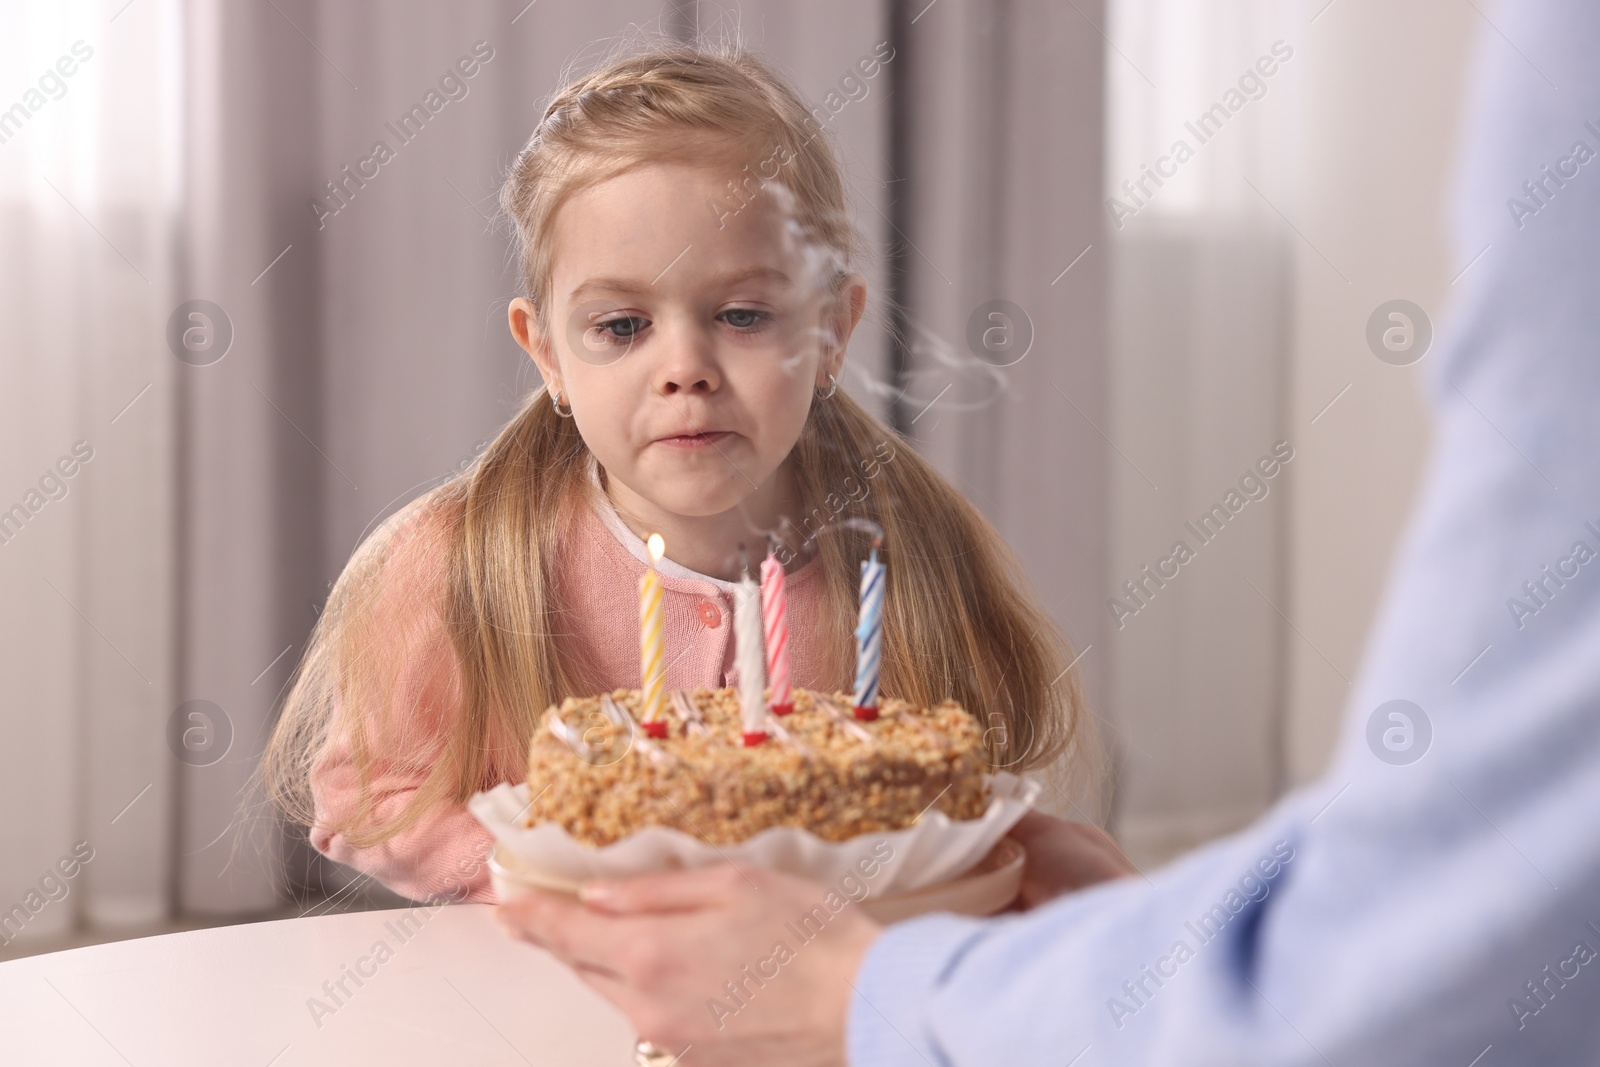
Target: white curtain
90 186
1000 243
1200 298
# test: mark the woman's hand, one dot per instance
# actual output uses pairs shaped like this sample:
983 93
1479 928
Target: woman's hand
715 958
1064 856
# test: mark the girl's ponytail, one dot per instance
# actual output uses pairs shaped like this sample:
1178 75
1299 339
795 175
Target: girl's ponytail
958 622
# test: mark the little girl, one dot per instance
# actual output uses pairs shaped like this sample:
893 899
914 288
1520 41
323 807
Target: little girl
686 256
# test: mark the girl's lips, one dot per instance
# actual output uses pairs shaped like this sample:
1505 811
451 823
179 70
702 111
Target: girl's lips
693 441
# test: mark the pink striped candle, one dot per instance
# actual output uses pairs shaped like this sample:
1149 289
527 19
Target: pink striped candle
776 613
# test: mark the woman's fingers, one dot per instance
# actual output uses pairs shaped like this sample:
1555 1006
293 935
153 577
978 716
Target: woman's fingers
566 928
642 951
682 953
672 890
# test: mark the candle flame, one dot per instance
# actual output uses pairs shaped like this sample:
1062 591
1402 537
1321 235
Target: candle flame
658 548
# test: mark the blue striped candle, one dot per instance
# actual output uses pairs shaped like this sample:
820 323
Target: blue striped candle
869 637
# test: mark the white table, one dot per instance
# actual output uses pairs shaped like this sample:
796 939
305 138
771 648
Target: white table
457 991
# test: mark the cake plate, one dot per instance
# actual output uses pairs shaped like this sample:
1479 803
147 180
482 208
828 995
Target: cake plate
986 889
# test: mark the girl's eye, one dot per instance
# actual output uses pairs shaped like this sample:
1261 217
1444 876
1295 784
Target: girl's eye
743 318
621 329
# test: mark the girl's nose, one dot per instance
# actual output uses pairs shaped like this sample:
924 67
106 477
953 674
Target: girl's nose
688 364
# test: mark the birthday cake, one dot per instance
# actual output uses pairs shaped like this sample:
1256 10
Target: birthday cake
596 772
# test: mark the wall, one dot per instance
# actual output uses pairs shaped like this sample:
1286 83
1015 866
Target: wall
1239 299
1382 98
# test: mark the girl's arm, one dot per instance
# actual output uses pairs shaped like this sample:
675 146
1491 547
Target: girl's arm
1064 856
442 854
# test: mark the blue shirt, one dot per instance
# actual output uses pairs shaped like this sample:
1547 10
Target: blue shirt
1444 910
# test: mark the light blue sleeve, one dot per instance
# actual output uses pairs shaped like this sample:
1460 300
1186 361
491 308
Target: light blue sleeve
1442 911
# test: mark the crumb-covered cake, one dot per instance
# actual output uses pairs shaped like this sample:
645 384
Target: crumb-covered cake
593 770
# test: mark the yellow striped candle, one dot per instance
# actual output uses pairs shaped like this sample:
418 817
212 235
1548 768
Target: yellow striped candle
651 658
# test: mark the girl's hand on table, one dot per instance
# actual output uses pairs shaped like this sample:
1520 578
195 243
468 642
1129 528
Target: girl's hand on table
1064 856
661 947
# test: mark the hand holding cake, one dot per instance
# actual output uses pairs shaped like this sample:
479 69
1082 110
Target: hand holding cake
704 960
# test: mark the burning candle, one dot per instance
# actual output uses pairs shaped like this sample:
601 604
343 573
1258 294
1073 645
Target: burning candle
776 615
652 661
869 635
748 655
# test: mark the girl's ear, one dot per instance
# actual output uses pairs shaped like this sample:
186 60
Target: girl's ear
524 320
848 307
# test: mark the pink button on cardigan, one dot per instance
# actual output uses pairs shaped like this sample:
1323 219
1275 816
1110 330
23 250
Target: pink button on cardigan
442 854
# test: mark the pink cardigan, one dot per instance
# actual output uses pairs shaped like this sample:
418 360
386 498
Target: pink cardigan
442 855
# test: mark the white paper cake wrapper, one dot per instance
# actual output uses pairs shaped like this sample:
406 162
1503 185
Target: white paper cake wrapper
934 850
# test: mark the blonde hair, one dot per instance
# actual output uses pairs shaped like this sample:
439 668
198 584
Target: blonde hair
958 622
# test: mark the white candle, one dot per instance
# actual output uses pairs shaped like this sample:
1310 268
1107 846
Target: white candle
750 658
